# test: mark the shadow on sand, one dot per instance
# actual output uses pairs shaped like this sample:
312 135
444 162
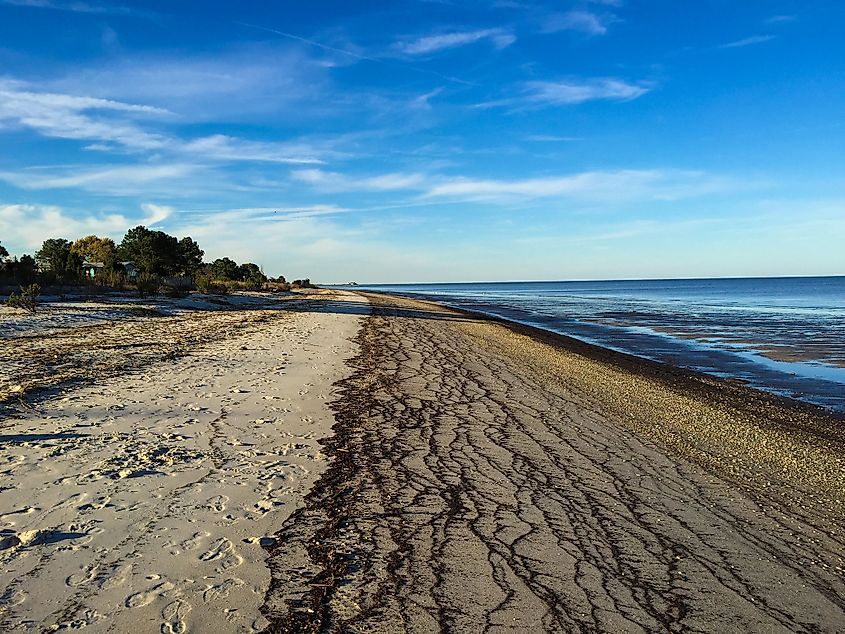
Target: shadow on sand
14 439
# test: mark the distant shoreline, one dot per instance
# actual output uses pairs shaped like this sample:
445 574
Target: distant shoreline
590 280
784 338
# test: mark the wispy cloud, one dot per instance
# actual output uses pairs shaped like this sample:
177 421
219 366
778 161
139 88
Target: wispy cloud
117 127
500 38
276 214
748 41
333 181
238 83
120 180
620 186
573 92
595 187
76 7
576 91
779 19
223 147
550 138
577 20
77 117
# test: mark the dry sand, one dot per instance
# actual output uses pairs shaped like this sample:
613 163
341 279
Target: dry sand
144 462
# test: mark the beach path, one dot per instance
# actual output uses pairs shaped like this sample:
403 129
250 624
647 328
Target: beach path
141 480
485 481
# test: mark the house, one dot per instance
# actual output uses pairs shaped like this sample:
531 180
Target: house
91 270
130 270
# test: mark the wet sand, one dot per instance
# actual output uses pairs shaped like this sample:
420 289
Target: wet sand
145 462
488 477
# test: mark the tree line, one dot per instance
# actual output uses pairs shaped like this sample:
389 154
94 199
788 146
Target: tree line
142 256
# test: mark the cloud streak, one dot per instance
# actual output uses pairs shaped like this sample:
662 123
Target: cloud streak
333 181
536 94
576 20
75 7
500 38
115 126
621 186
748 41
120 180
74 117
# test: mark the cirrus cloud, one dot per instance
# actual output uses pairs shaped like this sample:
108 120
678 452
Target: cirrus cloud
501 38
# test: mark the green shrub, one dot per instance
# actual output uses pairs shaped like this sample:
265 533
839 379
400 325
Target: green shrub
209 286
27 300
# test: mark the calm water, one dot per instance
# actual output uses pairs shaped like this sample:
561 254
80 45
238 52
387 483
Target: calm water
785 335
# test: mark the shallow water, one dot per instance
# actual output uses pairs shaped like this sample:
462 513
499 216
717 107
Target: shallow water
784 335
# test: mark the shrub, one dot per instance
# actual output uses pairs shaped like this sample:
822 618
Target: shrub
27 300
147 284
208 285
112 279
175 291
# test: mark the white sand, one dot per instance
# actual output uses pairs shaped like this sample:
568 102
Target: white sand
139 504
53 315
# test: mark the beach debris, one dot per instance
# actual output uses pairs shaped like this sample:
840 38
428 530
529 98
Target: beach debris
33 537
264 542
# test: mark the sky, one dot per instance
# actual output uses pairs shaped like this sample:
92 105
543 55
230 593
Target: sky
434 140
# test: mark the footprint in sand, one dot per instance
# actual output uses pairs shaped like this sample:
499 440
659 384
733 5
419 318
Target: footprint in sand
13 599
224 552
85 575
194 542
174 615
220 549
221 591
140 599
116 577
100 503
217 503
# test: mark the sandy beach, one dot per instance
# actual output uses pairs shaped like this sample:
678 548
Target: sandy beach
490 478
156 456
355 462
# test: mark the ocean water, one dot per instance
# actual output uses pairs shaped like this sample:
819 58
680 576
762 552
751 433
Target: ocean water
784 335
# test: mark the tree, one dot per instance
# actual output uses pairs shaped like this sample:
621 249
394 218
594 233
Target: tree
251 273
152 252
94 249
55 256
26 270
189 256
4 266
225 269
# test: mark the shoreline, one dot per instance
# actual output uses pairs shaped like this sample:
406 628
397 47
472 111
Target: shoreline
480 475
674 375
811 373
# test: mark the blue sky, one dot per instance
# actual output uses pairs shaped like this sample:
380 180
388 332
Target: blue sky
434 140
